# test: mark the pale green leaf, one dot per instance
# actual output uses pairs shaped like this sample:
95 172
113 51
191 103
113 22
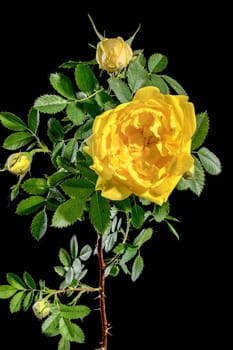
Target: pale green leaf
129 254
7 291
39 225
63 344
75 114
60 270
210 161
85 78
202 128
50 326
99 212
172 230
62 84
12 122
16 302
29 280
30 205
64 257
68 212
137 76
137 268
73 312
78 188
138 216
74 247
70 331
15 281
85 252
160 212
17 140
157 63
35 186
143 236
174 85
157 81
28 300
120 89
33 120
50 103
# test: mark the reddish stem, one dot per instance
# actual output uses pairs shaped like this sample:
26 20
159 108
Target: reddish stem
103 314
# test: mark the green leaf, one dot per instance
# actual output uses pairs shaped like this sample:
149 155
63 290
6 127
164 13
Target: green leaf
202 128
68 212
12 122
64 257
174 85
63 344
56 178
144 235
30 205
35 186
16 302
50 104
75 114
84 130
129 253
138 216
99 212
15 281
70 331
74 247
50 326
39 225
137 268
7 291
120 89
172 230
104 100
196 182
17 140
33 120
157 81
210 161
85 252
85 78
77 188
55 130
137 76
28 279
161 212
62 84
28 300
157 63
74 312
60 270
70 150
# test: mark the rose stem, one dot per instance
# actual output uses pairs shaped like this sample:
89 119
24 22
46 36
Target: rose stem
103 314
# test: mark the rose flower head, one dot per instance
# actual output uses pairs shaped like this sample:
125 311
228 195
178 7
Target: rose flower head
143 147
113 54
19 163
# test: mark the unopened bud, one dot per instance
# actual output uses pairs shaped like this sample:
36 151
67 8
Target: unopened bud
41 308
19 163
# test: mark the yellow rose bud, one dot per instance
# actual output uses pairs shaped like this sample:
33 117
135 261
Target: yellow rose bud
143 147
113 55
19 163
41 308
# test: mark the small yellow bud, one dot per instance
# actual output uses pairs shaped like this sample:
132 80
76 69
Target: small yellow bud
114 54
19 163
41 308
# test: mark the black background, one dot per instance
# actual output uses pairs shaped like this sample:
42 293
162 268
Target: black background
181 299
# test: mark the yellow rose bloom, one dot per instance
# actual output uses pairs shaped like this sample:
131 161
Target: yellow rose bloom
113 54
143 147
19 163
